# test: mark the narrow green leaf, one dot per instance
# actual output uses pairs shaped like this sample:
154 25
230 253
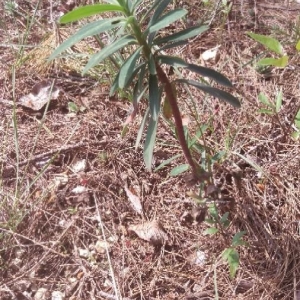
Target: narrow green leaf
210 73
115 85
211 231
182 35
173 45
154 96
148 12
222 95
172 61
179 169
135 5
198 134
295 135
87 30
109 50
141 77
203 71
134 73
167 19
87 11
276 62
279 101
297 119
150 142
298 46
264 100
267 41
127 68
142 127
166 162
218 156
160 5
266 111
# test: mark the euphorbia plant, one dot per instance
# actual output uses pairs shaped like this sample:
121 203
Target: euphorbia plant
142 71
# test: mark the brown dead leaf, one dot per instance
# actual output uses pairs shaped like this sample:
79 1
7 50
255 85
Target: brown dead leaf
134 200
152 232
41 93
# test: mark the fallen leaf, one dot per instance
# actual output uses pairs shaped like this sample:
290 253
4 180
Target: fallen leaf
152 232
210 53
41 93
134 200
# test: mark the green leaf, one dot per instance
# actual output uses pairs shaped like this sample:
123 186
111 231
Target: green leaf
182 35
160 7
222 95
264 100
278 101
218 156
150 142
172 61
87 11
298 46
297 119
151 65
179 169
203 71
142 127
87 30
211 231
224 218
266 111
232 257
236 240
295 135
109 50
128 68
212 209
210 73
269 42
198 134
173 45
73 107
167 19
154 97
276 62
166 162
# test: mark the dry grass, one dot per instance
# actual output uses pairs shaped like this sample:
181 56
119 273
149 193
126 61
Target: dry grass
46 229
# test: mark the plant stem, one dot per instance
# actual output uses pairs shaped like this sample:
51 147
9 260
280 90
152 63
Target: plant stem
177 117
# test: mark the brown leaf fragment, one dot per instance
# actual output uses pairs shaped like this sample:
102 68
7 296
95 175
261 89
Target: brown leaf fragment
134 200
152 232
41 93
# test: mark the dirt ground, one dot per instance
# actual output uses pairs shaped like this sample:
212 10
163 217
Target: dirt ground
69 173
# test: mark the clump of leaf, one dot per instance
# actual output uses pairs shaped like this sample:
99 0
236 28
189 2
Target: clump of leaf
142 71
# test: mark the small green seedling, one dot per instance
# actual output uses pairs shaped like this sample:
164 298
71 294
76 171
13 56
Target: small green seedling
271 108
275 47
220 224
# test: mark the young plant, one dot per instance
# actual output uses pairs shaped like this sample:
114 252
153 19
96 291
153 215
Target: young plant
142 71
272 108
275 47
220 224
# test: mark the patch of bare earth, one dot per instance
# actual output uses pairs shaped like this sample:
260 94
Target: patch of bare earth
69 178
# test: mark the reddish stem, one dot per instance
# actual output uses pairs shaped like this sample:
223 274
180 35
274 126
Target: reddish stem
177 117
